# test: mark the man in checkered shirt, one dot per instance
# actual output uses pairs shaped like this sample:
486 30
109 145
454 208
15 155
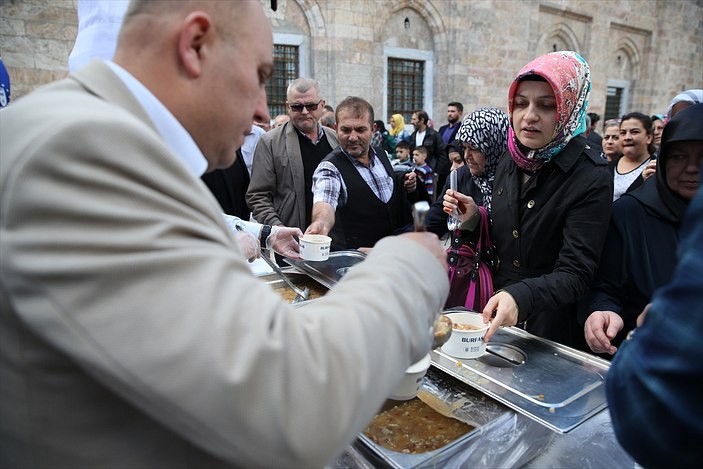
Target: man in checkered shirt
357 196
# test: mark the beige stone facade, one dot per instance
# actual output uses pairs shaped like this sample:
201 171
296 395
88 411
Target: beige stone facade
36 37
472 49
651 48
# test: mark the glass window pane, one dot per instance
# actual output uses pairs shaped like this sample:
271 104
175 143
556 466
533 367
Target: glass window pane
405 87
612 103
285 63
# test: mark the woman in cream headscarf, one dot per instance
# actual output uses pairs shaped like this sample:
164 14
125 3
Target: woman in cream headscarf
398 129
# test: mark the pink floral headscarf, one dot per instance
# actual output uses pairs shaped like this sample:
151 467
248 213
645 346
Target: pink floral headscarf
570 78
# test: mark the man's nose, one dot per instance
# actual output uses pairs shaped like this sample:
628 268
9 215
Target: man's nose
261 111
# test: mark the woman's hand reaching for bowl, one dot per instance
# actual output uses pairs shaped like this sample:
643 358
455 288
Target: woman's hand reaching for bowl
503 305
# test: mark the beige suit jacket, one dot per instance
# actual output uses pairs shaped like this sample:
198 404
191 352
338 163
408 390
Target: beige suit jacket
132 333
276 193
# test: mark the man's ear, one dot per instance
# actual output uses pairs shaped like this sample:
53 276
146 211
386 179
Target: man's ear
195 34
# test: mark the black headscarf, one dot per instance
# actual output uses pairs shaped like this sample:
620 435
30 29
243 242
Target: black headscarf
655 193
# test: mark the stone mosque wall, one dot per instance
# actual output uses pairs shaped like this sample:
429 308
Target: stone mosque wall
472 48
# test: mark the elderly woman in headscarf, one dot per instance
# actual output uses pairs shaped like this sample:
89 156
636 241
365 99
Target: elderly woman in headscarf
551 202
644 233
484 137
398 129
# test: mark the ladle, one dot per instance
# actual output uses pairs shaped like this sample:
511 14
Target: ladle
301 295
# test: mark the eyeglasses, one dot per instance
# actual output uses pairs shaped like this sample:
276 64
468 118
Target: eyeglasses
309 107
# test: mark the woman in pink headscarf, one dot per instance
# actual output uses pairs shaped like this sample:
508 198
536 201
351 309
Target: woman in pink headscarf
551 202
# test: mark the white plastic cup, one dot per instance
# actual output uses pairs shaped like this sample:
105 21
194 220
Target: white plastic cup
315 247
412 381
466 343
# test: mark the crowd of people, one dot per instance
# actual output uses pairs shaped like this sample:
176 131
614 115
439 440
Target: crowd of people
126 295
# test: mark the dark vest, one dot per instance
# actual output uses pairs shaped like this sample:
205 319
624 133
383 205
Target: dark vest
365 219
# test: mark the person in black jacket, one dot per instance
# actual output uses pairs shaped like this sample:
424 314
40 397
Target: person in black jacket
644 233
431 139
593 138
448 131
484 138
229 186
551 202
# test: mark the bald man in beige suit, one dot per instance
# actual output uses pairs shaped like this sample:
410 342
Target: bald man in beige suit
132 333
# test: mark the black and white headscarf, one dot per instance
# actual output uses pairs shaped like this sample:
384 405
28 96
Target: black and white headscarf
487 130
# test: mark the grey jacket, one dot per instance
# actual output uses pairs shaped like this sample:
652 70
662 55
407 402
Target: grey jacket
276 194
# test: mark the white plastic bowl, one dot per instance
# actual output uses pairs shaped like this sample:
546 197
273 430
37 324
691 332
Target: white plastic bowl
412 381
466 343
315 247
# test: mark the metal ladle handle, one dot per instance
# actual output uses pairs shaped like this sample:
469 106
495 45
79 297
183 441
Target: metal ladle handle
264 255
301 293
420 211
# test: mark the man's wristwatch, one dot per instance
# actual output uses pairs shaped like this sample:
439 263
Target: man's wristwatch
263 236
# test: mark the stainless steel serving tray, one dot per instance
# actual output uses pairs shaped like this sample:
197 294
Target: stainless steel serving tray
466 403
557 386
330 271
299 279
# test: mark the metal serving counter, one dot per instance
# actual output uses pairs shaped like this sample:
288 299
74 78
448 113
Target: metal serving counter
591 445
545 408
515 441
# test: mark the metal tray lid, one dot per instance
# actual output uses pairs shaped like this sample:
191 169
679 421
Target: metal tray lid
330 271
556 385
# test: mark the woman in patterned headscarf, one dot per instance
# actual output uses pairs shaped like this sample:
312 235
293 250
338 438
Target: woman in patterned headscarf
551 202
484 137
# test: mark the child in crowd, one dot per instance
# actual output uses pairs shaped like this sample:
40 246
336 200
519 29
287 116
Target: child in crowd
403 163
402 153
423 170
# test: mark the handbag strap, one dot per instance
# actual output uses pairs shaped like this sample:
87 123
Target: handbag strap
481 282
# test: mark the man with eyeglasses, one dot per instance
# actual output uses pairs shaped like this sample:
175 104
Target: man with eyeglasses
280 191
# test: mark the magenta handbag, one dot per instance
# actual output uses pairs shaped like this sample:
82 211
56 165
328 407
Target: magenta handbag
471 278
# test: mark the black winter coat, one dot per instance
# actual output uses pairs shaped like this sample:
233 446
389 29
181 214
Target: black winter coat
639 256
549 233
437 158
